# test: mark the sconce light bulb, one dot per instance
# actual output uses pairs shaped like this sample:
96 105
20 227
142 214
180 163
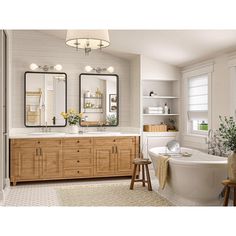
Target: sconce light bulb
110 69
88 68
58 67
33 66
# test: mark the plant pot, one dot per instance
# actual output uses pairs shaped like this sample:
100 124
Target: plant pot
73 129
232 167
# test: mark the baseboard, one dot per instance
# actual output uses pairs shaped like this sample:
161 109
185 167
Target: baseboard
4 193
1 197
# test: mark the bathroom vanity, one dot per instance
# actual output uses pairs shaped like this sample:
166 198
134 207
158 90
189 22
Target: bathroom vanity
71 156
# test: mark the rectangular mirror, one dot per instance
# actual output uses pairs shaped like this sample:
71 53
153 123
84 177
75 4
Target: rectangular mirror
45 97
99 99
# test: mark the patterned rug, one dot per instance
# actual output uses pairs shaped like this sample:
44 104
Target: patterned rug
109 195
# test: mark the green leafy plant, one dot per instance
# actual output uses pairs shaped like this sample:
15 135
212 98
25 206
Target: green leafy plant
111 120
227 132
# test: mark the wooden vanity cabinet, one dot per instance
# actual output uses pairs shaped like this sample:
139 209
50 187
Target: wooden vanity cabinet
114 156
24 164
71 158
35 159
77 157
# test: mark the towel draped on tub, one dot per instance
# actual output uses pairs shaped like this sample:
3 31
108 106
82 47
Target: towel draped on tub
162 170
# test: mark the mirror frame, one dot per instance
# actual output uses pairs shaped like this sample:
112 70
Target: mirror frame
43 72
117 92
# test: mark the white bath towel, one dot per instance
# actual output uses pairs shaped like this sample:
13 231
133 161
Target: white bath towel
162 170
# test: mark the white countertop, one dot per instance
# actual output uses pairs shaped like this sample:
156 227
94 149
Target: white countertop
59 134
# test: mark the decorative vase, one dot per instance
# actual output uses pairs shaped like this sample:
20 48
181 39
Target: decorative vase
73 129
232 167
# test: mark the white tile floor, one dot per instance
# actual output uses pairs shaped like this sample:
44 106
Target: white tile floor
44 193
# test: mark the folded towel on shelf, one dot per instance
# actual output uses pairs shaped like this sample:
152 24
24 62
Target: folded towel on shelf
154 110
162 170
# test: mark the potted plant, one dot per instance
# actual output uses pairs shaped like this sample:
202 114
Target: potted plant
227 132
73 118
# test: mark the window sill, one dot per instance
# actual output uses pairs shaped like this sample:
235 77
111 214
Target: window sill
196 135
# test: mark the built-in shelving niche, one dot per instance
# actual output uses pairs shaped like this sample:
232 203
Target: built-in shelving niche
167 91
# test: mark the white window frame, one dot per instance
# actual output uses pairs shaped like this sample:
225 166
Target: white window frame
198 132
204 68
190 129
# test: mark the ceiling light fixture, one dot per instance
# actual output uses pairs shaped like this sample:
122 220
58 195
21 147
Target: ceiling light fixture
87 39
110 69
57 67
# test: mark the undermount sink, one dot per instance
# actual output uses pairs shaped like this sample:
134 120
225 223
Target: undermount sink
103 132
48 133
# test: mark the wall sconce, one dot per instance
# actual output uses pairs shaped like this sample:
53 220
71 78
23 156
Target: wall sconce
57 67
110 69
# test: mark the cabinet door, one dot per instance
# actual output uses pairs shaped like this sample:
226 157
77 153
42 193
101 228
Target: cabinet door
51 162
104 161
125 155
24 164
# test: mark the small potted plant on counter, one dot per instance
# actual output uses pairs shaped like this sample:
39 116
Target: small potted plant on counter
73 117
227 132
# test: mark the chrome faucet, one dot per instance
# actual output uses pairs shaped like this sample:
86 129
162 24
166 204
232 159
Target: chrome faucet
46 128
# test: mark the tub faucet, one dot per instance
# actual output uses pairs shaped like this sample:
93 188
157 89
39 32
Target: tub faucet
209 136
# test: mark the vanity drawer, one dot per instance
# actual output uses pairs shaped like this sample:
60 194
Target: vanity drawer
104 141
76 162
48 142
114 140
78 172
80 151
36 142
73 142
23 142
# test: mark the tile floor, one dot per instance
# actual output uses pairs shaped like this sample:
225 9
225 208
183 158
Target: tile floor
44 193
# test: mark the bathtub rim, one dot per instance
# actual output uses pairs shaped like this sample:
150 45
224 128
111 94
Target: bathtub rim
182 161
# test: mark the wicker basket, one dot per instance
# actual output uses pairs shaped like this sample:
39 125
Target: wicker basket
155 128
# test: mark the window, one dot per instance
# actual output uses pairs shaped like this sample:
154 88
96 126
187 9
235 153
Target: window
198 104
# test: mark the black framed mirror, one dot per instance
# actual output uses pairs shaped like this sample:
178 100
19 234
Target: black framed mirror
45 97
99 99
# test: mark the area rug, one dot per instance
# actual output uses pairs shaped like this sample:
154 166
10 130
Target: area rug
109 195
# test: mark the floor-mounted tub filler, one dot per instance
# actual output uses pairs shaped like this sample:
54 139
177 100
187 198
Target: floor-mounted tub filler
193 179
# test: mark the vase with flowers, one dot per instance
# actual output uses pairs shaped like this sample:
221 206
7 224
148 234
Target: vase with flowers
73 117
227 132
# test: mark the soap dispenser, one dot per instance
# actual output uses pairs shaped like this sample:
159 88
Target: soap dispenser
166 109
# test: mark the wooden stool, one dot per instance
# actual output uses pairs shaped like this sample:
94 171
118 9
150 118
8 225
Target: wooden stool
228 184
143 163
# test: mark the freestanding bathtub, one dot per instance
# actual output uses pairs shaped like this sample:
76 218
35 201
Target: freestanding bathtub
194 180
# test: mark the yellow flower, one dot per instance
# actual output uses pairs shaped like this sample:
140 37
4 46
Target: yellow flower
64 114
71 111
81 115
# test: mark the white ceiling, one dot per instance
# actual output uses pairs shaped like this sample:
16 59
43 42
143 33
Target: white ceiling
176 47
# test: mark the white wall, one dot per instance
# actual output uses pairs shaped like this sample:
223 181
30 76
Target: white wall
40 48
157 70
135 91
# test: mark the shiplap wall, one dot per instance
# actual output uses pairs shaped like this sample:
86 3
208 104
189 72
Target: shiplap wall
30 46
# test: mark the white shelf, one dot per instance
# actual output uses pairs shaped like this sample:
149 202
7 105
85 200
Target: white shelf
159 80
160 114
160 97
